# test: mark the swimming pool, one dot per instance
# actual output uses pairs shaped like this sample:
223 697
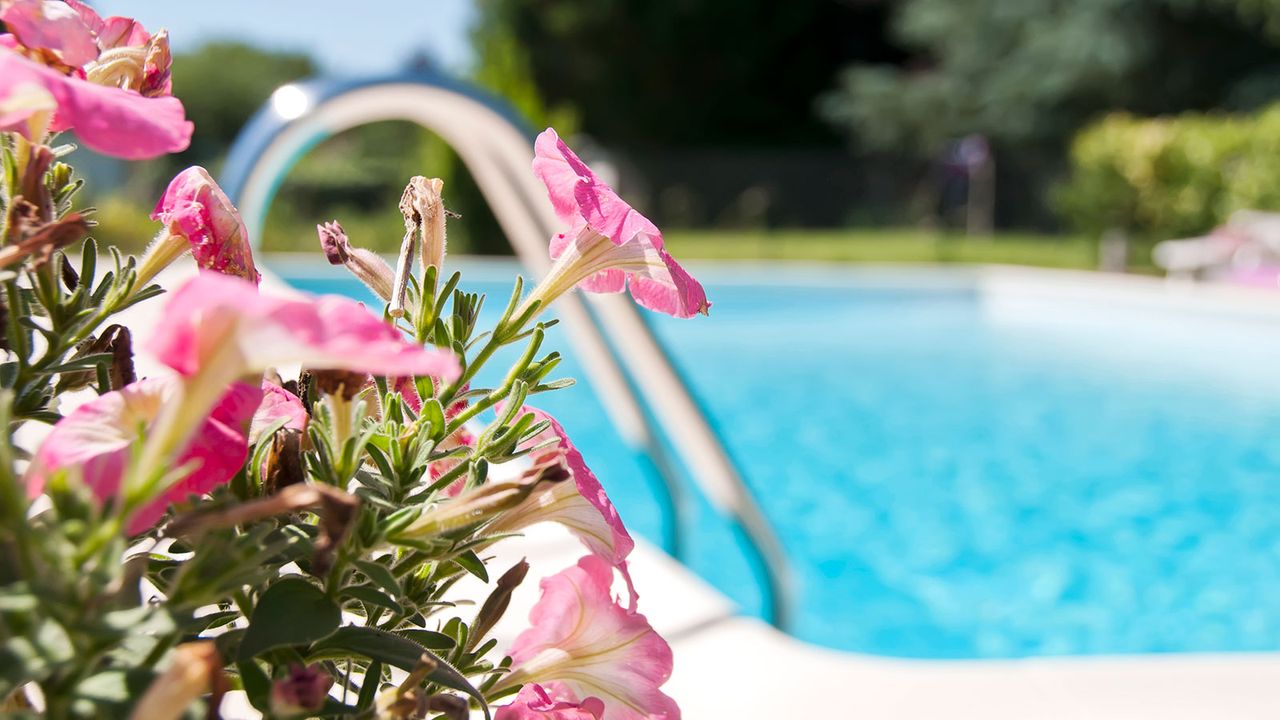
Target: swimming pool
962 473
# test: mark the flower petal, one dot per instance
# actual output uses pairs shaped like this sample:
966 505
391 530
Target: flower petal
96 439
216 315
112 121
576 192
535 703
277 403
582 644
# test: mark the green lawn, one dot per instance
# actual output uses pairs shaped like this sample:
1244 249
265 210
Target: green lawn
887 246
127 226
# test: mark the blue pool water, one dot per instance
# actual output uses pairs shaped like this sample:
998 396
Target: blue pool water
953 484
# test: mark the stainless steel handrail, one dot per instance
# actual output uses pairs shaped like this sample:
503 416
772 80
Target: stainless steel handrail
497 152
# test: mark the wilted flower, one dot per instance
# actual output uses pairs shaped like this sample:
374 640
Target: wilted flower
95 440
371 269
199 217
608 245
115 96
424 214
581 644
534 703
303 690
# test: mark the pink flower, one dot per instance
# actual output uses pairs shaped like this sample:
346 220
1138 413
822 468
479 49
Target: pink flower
608 244
96 440
111 120
581 643
53 26
533 703
220 324
581 506
197 214
277 403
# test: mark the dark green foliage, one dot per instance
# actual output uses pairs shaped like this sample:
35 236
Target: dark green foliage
1028 74
713 72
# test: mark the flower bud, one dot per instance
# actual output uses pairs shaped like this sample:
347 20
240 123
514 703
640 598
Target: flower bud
367 266
303 690
495 606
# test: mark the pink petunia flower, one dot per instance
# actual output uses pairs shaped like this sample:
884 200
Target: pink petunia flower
534 703
221 324
581 644
608 245
97 438
581 506
114 121
198 216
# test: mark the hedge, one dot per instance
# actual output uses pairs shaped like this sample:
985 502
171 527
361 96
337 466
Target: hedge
1171 177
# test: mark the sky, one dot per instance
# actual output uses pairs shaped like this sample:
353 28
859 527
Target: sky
344 37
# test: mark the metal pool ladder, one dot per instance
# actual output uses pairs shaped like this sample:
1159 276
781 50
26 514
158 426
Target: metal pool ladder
641 390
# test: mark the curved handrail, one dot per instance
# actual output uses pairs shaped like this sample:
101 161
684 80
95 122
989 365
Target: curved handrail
496 148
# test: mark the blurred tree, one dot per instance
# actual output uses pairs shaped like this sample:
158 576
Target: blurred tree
1028 74
711 72
221 85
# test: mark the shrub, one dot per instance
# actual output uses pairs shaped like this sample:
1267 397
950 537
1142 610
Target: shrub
1171 177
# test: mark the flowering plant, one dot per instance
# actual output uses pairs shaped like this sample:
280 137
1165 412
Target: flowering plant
217 528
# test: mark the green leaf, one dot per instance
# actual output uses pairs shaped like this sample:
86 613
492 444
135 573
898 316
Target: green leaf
290 612
116 687
367 594
381 575
471 563
398 652
369 686
429 638
257 686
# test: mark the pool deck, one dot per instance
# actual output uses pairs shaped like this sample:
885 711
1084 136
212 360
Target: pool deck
731 666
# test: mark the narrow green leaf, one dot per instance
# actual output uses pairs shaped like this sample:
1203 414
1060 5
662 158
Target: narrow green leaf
369 595
256 685
381 575
429 638
398 652
369 686
470 562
